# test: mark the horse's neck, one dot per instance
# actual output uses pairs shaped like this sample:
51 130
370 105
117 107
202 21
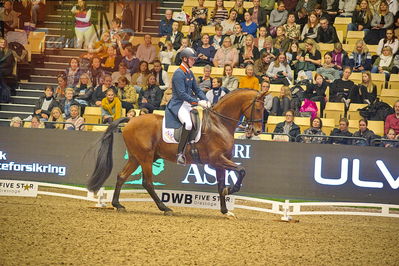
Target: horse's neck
231 112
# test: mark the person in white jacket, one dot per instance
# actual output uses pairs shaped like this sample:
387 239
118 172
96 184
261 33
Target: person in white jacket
280 71
346 8
393 6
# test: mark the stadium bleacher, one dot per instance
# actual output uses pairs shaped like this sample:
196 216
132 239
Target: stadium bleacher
50 60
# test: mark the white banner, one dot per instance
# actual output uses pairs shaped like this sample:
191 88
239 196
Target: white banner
194 199
18 188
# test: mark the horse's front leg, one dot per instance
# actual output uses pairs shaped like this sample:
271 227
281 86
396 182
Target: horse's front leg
230 165
220 176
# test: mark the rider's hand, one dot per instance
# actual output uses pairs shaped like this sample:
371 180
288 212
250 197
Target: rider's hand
204 104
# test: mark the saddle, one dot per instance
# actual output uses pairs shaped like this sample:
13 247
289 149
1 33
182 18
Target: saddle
194 131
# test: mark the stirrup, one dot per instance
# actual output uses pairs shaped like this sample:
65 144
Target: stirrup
181 159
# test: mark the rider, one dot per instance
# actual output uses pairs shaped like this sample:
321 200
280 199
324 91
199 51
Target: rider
185 94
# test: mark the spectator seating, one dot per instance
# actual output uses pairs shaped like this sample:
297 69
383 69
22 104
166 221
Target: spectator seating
208 30
379 80
376 126
205 29
272 121
389 96
335 111
199 71
189 4
239 73
349 47
356 77
275 89
302 122
353 112
237 135
36 43
92 115
324 48
353 36
340 35
393 81
341 24
27 124
328 125
372 49
137 40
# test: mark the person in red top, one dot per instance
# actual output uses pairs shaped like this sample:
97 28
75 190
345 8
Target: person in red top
392 121
84 30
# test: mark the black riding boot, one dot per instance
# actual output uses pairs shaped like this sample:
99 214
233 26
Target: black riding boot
181 159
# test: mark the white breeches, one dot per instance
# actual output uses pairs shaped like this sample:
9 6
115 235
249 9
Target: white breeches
184 115
87 35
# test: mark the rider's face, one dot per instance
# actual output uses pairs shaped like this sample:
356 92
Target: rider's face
191 61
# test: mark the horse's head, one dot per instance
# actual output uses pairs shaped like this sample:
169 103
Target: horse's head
253 110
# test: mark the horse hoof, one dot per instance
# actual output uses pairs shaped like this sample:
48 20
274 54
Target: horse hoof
168 213
121 209
230 215
225 191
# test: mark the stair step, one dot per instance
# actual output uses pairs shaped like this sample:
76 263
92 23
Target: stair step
152 22
153 29
172 5
55 65
27 100
11 114
157 16
44 79
142 33
28 108
47 72
70 52
35 85
58 58
4 122
29 93
162 9
55 31
54 44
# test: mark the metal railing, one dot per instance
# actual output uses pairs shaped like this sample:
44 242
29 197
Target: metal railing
383 141
329 139
56 123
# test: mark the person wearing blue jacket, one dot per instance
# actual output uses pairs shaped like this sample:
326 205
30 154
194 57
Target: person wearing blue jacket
360 58
185 94
165 26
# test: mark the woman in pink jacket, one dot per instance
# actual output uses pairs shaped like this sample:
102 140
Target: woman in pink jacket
226 54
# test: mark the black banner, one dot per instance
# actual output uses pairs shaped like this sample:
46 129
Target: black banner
274 169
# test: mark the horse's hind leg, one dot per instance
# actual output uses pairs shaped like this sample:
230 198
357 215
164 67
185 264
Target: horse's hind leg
128 169
147 184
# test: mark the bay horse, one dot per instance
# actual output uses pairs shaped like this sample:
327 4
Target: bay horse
143 138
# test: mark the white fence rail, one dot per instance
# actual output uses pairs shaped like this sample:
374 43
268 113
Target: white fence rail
286 209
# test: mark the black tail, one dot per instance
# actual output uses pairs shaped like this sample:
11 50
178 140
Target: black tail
104 162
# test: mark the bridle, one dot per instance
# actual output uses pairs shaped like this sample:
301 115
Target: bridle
246 123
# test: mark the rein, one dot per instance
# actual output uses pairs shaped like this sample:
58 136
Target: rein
252 104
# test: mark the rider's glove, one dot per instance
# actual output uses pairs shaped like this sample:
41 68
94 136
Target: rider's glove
204 104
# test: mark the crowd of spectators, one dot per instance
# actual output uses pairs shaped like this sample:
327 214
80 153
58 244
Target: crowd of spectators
275 42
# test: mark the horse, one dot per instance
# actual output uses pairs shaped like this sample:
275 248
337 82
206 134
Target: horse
143 138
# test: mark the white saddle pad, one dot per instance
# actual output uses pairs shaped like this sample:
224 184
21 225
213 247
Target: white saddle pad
169 137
